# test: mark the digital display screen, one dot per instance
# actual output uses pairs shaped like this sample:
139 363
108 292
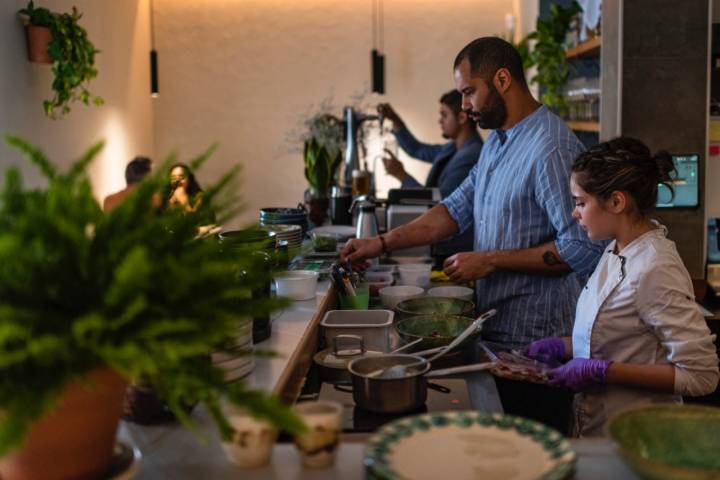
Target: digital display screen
685 184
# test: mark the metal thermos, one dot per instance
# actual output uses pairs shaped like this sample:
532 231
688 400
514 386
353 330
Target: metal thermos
340 203
367 225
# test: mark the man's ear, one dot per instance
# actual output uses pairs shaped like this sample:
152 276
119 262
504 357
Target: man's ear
502 80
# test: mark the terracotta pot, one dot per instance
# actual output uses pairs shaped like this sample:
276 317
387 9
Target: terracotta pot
76 439
38 39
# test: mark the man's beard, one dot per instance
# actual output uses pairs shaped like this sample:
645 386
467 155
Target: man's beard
492 114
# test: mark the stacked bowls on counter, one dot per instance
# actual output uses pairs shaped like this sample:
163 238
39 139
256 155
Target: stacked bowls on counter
270 217
238 361
292 234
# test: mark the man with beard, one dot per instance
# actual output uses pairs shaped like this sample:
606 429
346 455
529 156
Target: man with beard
528 250
451 162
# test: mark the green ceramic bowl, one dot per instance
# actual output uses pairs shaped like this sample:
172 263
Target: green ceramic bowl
670 441
434 305
435 330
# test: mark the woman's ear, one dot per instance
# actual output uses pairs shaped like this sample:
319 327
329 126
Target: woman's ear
618 202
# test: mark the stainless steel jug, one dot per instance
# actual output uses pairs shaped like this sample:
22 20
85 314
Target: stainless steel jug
367 225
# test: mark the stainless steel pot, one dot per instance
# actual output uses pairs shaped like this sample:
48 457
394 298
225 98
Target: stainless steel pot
333 362
382 395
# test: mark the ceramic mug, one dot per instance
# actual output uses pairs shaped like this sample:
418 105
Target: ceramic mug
252 440
318 446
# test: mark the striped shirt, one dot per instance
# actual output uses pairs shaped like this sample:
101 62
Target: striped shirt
518 196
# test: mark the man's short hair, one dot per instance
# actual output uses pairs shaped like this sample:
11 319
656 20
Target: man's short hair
487 55
453 100
137 169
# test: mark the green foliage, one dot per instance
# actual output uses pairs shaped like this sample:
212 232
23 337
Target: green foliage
548 54
133 289
323 152
73 56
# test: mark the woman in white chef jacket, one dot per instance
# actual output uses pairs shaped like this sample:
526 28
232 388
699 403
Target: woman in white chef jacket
639 336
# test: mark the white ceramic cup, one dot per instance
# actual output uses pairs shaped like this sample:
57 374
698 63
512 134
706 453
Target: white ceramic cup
417 274
296 285
452 291
318 447
391 296
252 440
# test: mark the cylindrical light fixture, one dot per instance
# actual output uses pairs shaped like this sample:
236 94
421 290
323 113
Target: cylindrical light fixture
154 90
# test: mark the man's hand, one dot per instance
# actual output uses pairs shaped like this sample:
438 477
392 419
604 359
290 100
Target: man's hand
393 166
467 266
388 112
359 249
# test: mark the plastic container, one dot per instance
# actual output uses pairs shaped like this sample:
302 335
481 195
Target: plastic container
359 301
452 291
296 285
377 281
391 296
374 326
417 274
324 242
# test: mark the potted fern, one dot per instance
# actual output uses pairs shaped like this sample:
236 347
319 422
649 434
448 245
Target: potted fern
90 301
59 39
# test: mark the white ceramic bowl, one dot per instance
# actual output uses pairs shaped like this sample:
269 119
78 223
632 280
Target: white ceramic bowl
452 291
296 285
417 274
391 296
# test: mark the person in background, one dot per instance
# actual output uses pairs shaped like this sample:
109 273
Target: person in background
451 161
135 171
529 253
185 191
639 337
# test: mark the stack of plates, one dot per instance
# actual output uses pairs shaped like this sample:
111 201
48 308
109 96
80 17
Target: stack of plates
292 234
284 216
239 361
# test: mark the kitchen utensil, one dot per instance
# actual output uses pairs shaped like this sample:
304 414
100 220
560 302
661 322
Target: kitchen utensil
332 362
477 367
453 291
474 445
399 371
434 305
367 225
491 355
391 296
407 345
373 326
297 284
670 441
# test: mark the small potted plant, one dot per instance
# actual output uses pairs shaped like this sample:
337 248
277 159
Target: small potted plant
322 153
90 301
59 39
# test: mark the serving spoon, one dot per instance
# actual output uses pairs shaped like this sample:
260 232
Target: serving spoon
400 371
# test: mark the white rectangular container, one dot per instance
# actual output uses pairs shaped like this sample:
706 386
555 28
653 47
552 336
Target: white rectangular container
374 326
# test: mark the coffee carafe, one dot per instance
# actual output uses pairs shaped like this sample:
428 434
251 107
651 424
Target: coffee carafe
367 225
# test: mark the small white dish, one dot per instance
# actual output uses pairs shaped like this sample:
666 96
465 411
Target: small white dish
391 296
452 291
297 284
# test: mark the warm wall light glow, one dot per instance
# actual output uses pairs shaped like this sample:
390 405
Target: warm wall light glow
108 174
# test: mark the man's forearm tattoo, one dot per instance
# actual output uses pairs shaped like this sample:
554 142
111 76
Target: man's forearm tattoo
550 259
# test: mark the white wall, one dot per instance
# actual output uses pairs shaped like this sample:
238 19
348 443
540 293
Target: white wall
247 72
120 29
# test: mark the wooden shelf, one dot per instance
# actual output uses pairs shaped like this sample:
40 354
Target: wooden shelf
589 48
583 126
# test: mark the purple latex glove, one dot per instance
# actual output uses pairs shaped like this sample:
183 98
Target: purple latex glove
550 350
580 373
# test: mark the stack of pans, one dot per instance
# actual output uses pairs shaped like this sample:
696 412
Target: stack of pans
292 234
284 216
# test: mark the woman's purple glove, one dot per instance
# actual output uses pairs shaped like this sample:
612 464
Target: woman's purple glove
549 350
580 373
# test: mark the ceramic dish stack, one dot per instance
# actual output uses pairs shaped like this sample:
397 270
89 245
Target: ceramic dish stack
239 361
292 234
284 216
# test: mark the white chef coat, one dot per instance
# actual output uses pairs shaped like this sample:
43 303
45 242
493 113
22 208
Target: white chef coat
638 307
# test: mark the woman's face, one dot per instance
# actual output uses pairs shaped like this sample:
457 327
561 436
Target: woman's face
178 177
591 214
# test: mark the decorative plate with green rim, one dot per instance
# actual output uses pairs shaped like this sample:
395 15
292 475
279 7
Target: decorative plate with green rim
468 445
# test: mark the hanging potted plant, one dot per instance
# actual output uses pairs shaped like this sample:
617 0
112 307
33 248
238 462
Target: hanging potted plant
90 301
322 153
59 39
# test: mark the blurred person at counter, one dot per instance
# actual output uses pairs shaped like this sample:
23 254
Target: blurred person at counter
451 161
135 171
639 337
185 191
530 255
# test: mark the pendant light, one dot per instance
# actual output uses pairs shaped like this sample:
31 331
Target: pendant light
154 91
377 57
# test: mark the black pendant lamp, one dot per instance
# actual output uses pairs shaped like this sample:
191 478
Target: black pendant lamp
377 58
154 91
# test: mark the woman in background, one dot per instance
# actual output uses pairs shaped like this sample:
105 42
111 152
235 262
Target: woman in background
185 192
